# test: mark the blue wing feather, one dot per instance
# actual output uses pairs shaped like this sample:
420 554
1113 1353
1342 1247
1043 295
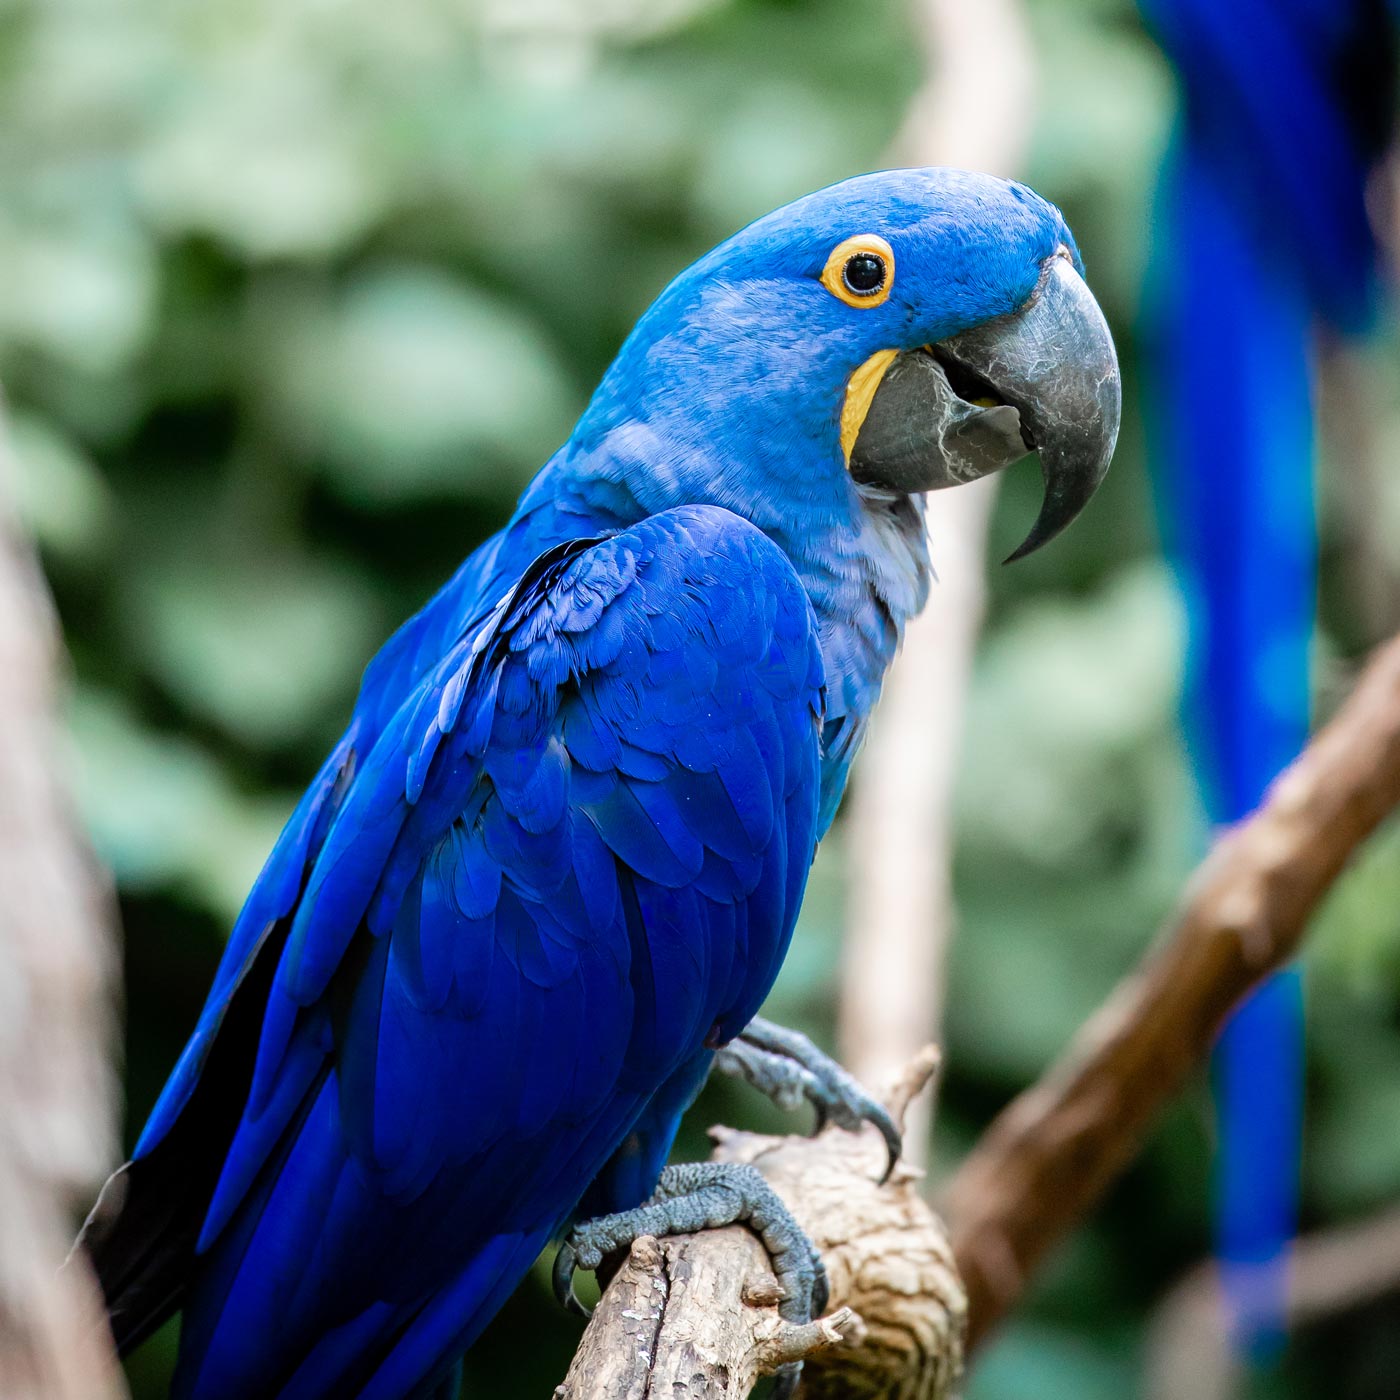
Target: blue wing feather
273 897
512 938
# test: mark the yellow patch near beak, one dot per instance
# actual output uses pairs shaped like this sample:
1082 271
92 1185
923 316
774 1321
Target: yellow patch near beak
860 392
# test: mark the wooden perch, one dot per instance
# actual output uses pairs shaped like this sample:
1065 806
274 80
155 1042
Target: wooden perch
1049 1156
697 1315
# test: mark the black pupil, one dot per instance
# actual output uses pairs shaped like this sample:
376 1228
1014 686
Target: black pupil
865 273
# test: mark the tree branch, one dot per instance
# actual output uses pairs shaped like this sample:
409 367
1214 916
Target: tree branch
1050 1155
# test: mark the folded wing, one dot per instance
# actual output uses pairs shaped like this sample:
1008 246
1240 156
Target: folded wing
571 857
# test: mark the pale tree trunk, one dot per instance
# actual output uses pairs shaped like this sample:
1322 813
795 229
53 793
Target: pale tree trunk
57 970
974 110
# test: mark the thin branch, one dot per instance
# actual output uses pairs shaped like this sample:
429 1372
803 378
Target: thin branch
898 829
1048 1158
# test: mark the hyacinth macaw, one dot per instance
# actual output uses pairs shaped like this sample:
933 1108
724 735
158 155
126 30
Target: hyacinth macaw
1264 241
552 867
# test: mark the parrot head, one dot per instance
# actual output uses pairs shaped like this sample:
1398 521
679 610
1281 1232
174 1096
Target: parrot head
896 333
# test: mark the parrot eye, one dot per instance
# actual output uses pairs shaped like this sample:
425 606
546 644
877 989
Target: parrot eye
860 270
864 273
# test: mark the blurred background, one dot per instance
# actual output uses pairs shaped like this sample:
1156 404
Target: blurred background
295 297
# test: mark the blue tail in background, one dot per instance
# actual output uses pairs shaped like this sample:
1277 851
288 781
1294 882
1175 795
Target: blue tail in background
1263 244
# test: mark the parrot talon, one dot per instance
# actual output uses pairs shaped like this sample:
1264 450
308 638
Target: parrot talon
566 1262
787 1068
694 1196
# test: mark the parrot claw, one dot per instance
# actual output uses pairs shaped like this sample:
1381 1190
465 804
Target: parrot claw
786 1067
694 1196
565 1266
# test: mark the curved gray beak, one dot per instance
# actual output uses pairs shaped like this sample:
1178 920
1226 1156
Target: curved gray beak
1043 379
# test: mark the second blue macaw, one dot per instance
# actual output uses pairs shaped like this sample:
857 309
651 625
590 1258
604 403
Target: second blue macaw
1287 107
552 867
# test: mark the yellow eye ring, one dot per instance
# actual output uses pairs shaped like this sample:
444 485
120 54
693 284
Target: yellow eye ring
860 270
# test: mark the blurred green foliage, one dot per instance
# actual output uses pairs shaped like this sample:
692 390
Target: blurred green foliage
294 297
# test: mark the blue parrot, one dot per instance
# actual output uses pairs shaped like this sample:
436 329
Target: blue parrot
1287 105
550 871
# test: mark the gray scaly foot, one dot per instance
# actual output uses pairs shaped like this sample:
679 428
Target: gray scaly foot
786 1067
694 1196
